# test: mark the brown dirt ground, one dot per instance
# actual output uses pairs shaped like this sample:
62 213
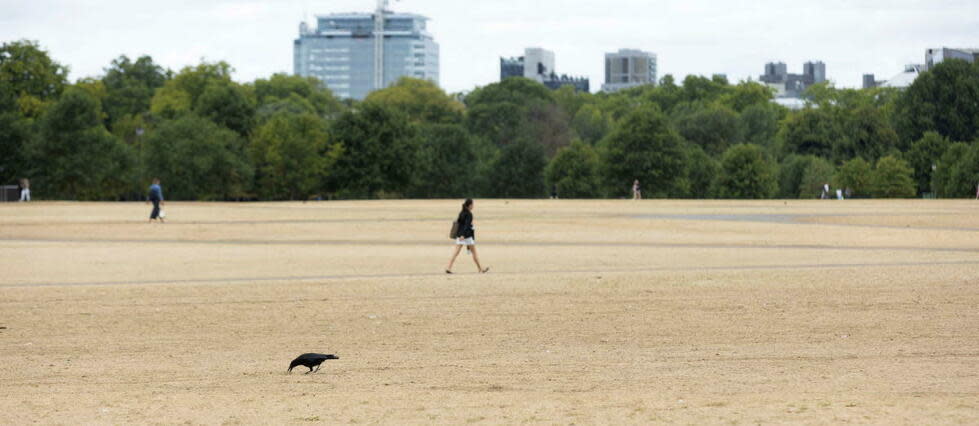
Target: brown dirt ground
594 312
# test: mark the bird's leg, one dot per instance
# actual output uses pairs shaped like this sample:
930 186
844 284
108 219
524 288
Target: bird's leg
317 369
310 370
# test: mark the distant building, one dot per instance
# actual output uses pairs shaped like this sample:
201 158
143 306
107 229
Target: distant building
870 82
792 85
538 64
933 57
937 55
775 72
580 84
511 67
814 72
340 51
629 68
905 78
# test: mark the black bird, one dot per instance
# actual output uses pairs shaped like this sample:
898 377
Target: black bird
310 360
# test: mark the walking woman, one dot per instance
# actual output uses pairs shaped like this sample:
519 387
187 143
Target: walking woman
466 236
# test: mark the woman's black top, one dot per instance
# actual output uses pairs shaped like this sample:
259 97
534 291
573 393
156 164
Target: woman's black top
466 224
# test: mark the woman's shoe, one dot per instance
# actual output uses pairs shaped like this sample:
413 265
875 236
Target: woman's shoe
484 270
448 271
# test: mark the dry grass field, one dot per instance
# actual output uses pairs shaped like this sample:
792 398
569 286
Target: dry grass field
611 312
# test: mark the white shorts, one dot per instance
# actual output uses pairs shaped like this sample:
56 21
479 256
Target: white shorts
465 241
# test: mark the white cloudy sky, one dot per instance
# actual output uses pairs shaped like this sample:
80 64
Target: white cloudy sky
735 37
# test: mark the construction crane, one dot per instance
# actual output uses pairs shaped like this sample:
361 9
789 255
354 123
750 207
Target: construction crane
379 44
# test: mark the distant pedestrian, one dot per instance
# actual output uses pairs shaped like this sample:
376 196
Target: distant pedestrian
554 191
25 189
825 194
636 192
156 197
465 235
977 192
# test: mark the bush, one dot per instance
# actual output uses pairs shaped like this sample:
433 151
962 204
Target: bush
198 160
923 156
854 177
746 173
574 171
519 171
957 172
818 173
644 147
892 179
701 172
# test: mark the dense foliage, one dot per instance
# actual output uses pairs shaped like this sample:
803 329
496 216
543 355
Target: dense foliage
209 137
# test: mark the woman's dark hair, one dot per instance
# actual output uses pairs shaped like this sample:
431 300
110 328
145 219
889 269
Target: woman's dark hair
468 203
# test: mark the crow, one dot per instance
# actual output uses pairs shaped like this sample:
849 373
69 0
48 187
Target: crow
310 360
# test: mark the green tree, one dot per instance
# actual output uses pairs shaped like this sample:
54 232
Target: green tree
547 124
30 81
619 104
519 171
95 88
867 134
130 86
515 90
746 173
292 156
702 89
790 174
379 152
854 176
208 91
747 94
923 158
421 100
516 108
809 131
945 99
198 160
892 179
590 124
644 147
570 100
702 169
574 171
759 124
447 162
307 91
26 71
499 123
15 133
228 104
818 173
712 127
170 102
666 94
957 172
75 157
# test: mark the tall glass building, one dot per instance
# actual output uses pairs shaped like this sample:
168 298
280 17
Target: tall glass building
340 51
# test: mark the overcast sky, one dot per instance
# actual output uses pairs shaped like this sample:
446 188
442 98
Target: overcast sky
735 37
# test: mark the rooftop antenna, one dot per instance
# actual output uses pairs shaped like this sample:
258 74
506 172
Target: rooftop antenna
379 19
379 44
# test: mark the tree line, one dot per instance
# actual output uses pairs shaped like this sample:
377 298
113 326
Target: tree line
289 138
